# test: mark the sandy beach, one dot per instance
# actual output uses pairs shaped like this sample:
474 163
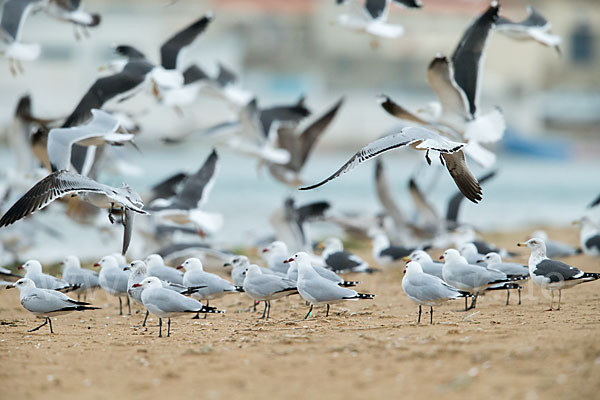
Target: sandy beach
367 349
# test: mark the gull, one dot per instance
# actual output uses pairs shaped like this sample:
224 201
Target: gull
534 27
427 264
156 267
370 18
343 261
33 271
493 260
418 138
427 290
86 279
239 266
263 287
470 253
469 278
292 274
551 274
385 253
276 255
589 236
113 280
299 145
44 303
555 248
72 11
184 207
165 303
210 286
318 290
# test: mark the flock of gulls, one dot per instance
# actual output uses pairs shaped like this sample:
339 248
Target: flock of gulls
61 161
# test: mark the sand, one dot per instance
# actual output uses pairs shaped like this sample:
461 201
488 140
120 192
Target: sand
366 349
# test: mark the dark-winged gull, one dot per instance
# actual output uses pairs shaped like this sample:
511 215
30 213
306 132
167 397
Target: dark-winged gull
427 290
44 303
172 47
299 145
341 261
493 260
86 279
451 155
551 274
589 236
318 290
534 27
165 303
554 248
384 252
262 287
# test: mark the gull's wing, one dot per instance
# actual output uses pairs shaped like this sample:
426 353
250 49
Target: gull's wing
169 186
398 111
60 140
464 179
456 200
192 74
325 290
409 3
440 77
421 202
533 20
468 56
557 271
385 195
310 135
293 113
421 138
595 202
377 9
196 187
127 229
225 76
170 49
14 13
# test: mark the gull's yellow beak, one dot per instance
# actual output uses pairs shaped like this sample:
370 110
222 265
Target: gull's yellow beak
320 246
521 244
406 258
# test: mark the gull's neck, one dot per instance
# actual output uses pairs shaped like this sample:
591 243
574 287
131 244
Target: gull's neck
536 256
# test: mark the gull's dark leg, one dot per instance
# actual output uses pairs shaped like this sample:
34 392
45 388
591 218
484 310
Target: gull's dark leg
35 329
507 296
519 290
128 305
559 294
205 314
419 319
427 157
551 300
466 303
78 295
254 308
160 327
110 216
431 315
50 323
264 311
327 313
169 327
120 306
473 303
145 318
197 316
309 311
269 309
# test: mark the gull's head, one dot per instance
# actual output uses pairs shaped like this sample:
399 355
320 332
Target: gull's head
154 260
413 267
451 255
334 244
418 256
238 261
149 282
468 249
22 284
32 266
301 258
491 258
137 267
191 264
252 269
535 244
71 262
277 247
539 234
107 262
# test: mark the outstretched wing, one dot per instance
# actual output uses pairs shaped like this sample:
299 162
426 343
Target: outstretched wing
196 187
170 49
440 77
421 138
464 179
398 111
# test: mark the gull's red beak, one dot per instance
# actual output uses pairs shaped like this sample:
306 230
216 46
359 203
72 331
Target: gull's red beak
20 267
179 267
265 250
290 260
442 257
96 265
136 285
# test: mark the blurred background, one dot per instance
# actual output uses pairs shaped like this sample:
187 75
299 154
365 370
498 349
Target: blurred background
548 164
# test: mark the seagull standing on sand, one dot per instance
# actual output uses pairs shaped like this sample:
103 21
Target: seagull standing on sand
44 303
320 291
156 267
113 280
339 260
427 290
493 260
262 287
165 303
589 236
33 271
551 274
86 279
385 253
426 262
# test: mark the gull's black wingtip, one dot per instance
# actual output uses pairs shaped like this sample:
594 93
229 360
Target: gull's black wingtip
311 187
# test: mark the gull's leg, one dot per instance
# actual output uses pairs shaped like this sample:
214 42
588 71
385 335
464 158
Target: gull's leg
551 300
110 216
519 290
120 306
205 314
309 311
254 308
327 313
473 303
197 316
442 160
431 315
419 319
145 318
264 311
427 157
128 305
466 303
559 294
78 295
169 327
20 67
268 303
159 327
50 323
507 296
11 66
35 329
